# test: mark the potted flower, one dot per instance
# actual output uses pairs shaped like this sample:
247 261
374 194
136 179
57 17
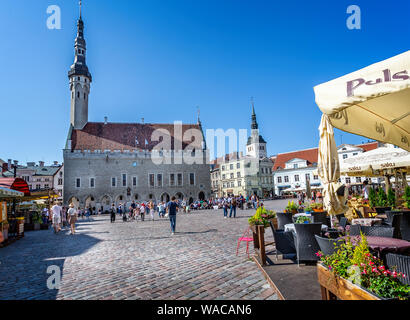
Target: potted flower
353 273
317 207
381 202
308 209
302 219
37 221
292 207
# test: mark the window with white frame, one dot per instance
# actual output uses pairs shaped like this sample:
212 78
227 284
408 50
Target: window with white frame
134 181
279 179
296 177
124 179
180 179
172 179
113 181
286 178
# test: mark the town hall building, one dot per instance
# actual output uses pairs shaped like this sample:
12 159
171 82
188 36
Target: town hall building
106 163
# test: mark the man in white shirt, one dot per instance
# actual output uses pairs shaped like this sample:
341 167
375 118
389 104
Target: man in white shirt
56 216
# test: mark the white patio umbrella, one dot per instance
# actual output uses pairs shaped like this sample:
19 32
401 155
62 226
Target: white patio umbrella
375 162
373 102
329 170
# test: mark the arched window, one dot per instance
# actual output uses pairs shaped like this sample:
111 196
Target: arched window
78 94
84 95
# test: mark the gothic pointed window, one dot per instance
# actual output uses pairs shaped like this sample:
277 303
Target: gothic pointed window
84 95
78 94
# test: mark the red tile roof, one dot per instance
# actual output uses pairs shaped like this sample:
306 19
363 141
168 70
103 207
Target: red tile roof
311 155
123 136
369 146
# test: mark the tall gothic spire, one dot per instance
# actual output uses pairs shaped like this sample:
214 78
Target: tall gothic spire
254 124
79 68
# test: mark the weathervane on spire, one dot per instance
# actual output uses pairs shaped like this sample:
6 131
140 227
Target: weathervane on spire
198 112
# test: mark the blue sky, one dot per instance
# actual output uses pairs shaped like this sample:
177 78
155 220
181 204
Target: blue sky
159 59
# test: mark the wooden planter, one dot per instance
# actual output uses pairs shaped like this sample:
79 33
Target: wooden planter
334 287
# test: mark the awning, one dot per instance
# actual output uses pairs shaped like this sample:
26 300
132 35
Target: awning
9 193
373 102
374 162
17 184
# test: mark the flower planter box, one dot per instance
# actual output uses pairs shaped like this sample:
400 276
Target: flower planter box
318 210
333 287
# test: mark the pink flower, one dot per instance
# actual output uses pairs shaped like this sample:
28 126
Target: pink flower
374 269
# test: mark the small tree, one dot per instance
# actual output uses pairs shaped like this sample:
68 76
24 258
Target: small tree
372 198
381 198
391 198
406 196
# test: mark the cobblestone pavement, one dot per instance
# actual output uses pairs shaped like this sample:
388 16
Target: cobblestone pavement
136 260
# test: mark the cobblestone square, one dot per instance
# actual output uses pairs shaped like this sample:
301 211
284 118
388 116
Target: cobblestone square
136 260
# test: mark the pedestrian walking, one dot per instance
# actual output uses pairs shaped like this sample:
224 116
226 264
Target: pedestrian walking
113 213
233 208
172 208
225 207
142 211
56 216
151 210
161 210
72 218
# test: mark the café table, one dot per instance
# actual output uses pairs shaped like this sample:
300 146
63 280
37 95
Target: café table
291 227
367 221
383 245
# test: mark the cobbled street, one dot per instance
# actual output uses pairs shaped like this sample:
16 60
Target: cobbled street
137 260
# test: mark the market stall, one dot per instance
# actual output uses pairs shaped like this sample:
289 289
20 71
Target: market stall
372 102
6 200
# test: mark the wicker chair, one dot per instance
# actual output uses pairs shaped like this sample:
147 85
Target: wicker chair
377 231
283 218
405 226
319 217
354 230
382 210
394 220
340 216
284 242
400 264
306 244
328 246
343 222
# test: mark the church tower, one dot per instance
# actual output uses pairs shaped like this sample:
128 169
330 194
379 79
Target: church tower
256 146
80 80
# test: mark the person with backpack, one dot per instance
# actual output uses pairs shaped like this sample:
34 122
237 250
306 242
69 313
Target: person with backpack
113 213
172 208
233 208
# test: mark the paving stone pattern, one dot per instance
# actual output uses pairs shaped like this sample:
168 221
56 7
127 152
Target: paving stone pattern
136 260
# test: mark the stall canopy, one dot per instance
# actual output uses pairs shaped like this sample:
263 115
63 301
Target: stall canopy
375 162
9 193
373 102
17 184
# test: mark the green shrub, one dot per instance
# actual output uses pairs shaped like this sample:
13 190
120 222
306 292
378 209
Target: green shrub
381 198
391 198
372 198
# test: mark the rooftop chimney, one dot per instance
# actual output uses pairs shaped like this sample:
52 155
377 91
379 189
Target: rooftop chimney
15 162
41 163
31 164
9 163
55 163
105 120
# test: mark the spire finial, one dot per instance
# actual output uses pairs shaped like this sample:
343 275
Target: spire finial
253 105
80 8
198 112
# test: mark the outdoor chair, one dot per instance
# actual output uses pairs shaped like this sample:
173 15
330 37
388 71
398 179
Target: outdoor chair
399 263
319 217
328 246
377 231
359 214
394 220
405 226
284 242
246 237
354 230
340 216
306 244
382 210
343 222
283 218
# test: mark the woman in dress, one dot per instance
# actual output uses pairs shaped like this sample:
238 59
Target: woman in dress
72 217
